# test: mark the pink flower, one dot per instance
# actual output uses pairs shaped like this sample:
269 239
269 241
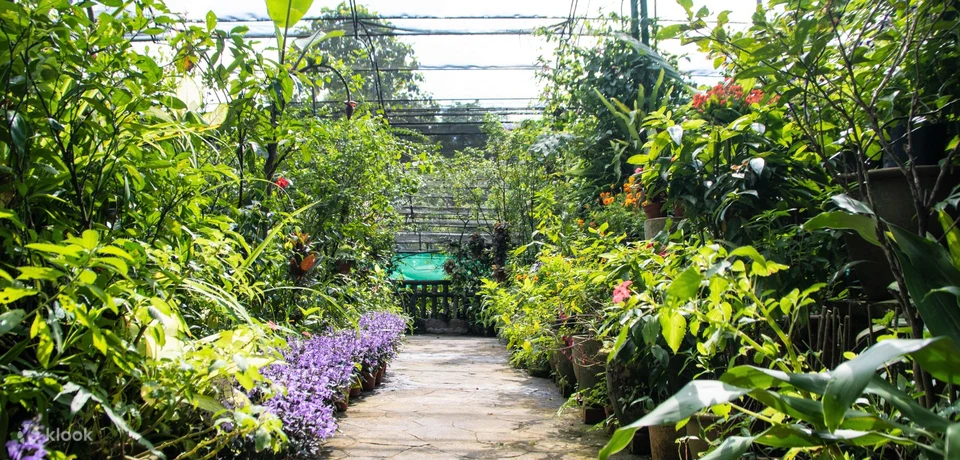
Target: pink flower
306 334
272 325
638 170
283 182
622 291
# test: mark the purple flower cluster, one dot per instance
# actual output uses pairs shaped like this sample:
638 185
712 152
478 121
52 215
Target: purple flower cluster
380 334
29 444
316 371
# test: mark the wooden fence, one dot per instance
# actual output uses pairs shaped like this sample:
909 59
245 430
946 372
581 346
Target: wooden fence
437 300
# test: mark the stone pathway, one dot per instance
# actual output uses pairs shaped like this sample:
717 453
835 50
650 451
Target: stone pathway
457 397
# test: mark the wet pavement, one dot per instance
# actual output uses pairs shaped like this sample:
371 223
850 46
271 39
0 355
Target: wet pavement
458 397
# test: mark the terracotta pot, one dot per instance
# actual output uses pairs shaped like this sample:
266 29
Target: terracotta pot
344 402
698 443
663 442
354 391
653 210
380 371
344 267
369 381
678 211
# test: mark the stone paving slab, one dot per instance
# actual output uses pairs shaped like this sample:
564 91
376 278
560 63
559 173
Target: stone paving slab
458 397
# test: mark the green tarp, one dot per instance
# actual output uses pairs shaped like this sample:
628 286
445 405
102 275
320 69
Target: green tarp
419 266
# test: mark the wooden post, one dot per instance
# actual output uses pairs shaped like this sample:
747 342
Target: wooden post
446 299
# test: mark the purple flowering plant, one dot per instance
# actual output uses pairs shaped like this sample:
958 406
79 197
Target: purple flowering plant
29 443
317 370
380 335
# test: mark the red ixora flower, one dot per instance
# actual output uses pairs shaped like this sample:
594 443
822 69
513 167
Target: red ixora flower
283 182
622 291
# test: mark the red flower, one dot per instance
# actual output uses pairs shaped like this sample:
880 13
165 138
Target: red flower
622 291
698 100
754 97
283 182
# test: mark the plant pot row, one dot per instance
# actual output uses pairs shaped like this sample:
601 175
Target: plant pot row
368 381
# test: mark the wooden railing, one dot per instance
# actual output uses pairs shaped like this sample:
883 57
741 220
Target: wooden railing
436 300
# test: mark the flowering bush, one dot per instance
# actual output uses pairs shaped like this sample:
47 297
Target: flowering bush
313 373
726 101
380 334
317 369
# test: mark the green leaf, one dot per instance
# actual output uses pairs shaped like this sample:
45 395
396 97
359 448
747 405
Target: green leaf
209 404
41 331
115 262
79 400
731 448
674 327
849 379
19 131
309 42
863 225
851 205
39 273
71 250
617 345
952 234
685 286
211 21
6 214
286 13
87 276
279 227
671 31
748 251
759 378
262 439
121 424
115 251
12 294
10 320
927 270
952 441
907 406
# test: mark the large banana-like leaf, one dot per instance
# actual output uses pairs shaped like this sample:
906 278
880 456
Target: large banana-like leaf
840 220
850 379
932 281
286 13
692 398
